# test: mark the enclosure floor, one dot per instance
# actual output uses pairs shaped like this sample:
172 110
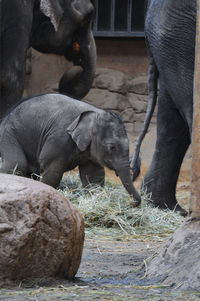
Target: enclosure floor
113 268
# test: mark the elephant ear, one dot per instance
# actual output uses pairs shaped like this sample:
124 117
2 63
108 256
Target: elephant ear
53 10
81 130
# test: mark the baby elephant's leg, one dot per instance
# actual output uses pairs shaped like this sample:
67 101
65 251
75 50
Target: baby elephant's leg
52 173
14 160
91 173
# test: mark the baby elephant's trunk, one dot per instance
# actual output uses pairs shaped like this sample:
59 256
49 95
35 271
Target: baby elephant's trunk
125 177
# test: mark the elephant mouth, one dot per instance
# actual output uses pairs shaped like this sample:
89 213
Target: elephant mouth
76 47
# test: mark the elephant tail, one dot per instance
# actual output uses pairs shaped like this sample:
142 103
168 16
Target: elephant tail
152 100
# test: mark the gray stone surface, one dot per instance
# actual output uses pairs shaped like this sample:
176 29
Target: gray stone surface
112 80
176 263
138 85
137 102
107 100
128 115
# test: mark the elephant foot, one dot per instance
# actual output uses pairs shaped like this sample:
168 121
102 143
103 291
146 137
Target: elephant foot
163 200
180 210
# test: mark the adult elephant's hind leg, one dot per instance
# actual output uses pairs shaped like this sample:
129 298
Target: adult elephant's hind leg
173 139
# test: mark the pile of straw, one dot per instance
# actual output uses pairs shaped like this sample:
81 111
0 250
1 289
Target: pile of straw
111 206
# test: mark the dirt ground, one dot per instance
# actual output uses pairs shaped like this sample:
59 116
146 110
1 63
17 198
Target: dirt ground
113 267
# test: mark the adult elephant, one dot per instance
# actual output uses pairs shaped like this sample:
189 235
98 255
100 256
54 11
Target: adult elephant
61 27
170 29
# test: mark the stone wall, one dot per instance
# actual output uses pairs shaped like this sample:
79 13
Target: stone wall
114 90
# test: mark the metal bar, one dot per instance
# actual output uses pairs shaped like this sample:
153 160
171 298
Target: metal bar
119 34
112 15
129 15
112 33
96 16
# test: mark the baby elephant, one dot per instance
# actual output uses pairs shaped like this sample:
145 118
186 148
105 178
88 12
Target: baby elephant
52 133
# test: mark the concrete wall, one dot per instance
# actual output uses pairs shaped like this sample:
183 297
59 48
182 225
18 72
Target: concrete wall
126 55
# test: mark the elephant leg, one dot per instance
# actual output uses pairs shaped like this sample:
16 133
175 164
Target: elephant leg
173 139
53 160
91 174
52 174
14 41
14 161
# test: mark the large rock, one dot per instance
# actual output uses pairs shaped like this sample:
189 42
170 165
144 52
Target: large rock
105 99
138 85
176 264
41 234
127 115
112 80
138 102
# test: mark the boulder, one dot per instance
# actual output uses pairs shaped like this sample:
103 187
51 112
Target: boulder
41 233
137 102
105 99
176 264
110 79
138 85
128 115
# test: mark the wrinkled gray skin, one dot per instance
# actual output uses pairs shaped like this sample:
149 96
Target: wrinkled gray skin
62 27
170 29
53 133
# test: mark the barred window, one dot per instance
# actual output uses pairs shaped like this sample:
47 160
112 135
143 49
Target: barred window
119 18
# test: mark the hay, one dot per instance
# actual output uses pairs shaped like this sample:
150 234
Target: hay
111 206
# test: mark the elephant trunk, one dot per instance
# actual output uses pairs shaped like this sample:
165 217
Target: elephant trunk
78 80
125 177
